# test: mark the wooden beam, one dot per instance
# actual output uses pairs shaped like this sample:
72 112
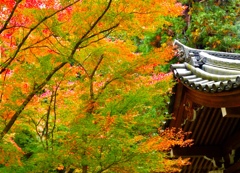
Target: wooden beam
232 142
198 151
231 112
178 106
214 100
235 168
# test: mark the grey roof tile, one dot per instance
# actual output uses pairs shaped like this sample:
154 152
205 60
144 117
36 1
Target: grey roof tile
206 70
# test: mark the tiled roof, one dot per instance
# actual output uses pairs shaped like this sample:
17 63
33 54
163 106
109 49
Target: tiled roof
207 71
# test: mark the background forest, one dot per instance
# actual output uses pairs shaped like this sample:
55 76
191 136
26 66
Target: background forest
85 85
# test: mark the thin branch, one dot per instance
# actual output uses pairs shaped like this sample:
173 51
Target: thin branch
54 46
79 64
117 162
39 134
10 16
28 99
54 112
107 30
20 26
91 28
99 18
103 31
92 75
95 41
96 67
47 120
89 55
105 86
44 47
3 86
125 72
7 63
55 37
39 41
60 42
39 120
149 12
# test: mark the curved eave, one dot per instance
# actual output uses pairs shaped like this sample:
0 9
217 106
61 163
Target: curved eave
215 100
187 50
203 81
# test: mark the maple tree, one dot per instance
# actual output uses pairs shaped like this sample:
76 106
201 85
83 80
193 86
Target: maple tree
74 92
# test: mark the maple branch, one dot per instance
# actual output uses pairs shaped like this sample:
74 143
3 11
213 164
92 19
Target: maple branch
28 99
92 27
39 41
115 162
47 120
95 41
20 26
110 81
79 64
149 12
54 46
107 167
9 61
109 30
105 86
96 67
3 86
59 42
125 72
105 30
54 111
92 75
98 19
49 48
89 55
36 129
10 16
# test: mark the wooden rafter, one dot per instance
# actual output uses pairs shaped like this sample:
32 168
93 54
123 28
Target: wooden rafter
198 151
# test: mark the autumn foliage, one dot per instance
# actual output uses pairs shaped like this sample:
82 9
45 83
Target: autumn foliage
74 92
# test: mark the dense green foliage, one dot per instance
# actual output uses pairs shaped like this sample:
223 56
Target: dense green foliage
213 25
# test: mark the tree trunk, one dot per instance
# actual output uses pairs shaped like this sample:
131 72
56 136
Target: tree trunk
84 169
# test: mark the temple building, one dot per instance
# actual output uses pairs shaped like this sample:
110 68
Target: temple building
207 104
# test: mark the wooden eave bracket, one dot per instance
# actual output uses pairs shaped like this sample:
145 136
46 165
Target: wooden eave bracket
190 110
